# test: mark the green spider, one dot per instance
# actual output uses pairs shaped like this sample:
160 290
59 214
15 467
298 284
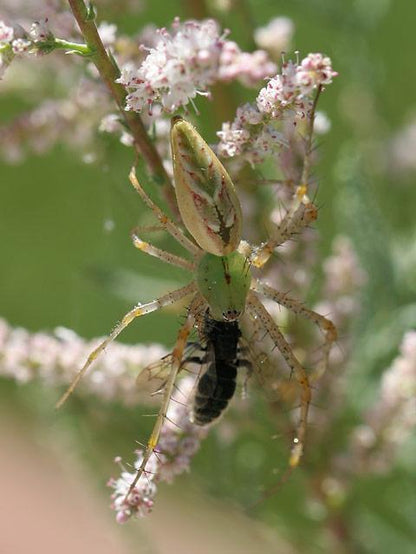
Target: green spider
222 290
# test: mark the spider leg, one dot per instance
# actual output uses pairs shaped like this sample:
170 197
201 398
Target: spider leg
259 312
167 257
177 361
166 223
302 211
324 324
291 224
138 311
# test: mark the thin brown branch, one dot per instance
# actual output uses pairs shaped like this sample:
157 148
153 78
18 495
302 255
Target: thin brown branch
109 73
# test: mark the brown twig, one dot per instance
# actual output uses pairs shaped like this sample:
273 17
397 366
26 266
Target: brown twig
109 73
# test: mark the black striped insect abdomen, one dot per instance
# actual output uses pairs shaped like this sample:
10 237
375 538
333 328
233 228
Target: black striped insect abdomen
215 389
217 385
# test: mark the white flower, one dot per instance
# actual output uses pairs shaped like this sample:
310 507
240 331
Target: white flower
179 440
39 31
280 92
313 71
392 419
249 68
110 123
6 33
322 124
54 358
275 36
185 62
107 32
139 502
231 140
21 45
180 66
294 87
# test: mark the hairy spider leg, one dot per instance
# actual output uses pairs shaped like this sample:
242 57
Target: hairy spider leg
166 223
258 311
324 324
273 382
138 311
302 212
291 224
177 362
156 252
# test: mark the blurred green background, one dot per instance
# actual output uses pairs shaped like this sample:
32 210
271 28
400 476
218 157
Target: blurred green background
59 257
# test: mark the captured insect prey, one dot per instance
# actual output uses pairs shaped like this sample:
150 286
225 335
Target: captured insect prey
223 294
217 385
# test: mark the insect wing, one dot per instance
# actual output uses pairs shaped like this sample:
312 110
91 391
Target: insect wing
152 378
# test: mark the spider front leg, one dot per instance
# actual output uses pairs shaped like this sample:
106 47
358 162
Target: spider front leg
177 361
156 252
166 223
259 312
324 324
292 224
138 311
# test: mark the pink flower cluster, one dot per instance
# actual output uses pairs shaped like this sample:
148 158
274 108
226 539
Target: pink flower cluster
294 87
344 278
139 502
288 95
53 359
14 41
248 68
392 420
72 120
185 62
178 442
276 36
6 50
6 34
249 135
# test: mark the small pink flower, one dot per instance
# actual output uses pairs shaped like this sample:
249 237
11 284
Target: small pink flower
275 36
181 65
6 33
40 31
178 442
107 32
313 71
249 68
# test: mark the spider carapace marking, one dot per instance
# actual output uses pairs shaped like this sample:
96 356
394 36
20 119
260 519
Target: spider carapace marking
217 385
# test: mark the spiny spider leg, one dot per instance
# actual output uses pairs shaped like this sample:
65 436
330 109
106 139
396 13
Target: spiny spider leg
177 361
258 311
324 324
302 211
167 223
138 311
291 224
167 257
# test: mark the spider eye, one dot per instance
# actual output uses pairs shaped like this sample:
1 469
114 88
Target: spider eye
231 315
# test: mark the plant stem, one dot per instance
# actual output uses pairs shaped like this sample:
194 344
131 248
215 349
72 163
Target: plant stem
82 49
109 73
304 181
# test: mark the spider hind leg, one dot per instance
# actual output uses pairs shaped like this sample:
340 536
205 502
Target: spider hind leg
259 313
